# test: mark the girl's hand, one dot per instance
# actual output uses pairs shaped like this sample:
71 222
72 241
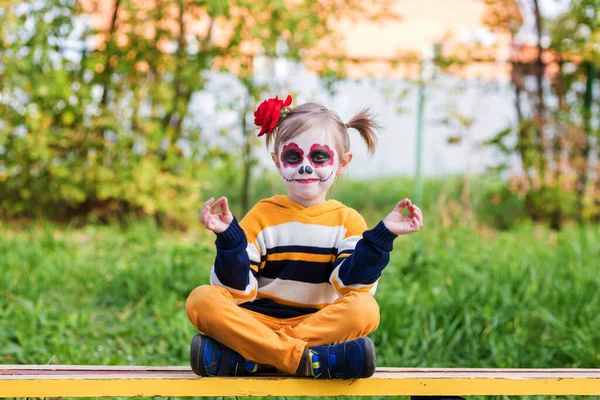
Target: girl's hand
399 224
212 219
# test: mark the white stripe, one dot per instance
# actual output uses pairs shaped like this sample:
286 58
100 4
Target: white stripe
349 243
309 294
264 281
252 253
252 285
299 234
335 276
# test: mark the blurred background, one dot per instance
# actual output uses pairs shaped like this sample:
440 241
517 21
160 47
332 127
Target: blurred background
130 107
119 118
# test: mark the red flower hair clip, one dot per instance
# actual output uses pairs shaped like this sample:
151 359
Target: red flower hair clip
269 113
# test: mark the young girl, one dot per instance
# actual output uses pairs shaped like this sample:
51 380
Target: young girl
292 284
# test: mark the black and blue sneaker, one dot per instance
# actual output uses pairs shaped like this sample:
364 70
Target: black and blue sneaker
211 358
347 360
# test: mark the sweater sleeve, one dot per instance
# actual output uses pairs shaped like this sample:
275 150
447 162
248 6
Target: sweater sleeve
232 269
361 257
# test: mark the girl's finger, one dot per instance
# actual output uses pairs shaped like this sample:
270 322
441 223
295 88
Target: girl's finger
225 206
208 202
218 204
207 219
208 206
204 214
400 206
416 223
419 215
215 206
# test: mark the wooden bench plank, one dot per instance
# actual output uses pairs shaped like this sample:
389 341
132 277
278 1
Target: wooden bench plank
98 381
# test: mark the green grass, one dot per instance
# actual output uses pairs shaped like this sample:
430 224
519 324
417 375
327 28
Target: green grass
371 197
376 197
457 294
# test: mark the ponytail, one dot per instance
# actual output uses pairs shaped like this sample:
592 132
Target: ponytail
309 115
365 124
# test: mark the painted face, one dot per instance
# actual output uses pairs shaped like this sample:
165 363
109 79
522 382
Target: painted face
308 164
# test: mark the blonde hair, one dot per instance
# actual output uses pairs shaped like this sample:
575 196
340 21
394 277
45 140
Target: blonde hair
310 115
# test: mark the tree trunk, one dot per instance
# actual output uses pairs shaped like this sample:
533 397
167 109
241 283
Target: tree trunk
582 171
562 107
100 140
173 120
246 79
107 69
247 161
517 82
556 217
539 72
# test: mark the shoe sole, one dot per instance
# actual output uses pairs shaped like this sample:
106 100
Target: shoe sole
369 358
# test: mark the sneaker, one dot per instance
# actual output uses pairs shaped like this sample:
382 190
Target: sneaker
347 360
211 358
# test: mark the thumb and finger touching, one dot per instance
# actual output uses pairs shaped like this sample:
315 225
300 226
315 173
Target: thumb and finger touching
211 218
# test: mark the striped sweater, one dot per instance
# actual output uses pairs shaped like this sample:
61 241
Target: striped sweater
286 260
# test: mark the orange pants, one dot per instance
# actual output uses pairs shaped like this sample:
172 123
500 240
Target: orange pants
276 341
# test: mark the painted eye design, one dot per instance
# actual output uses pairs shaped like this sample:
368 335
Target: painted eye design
319 156
291 157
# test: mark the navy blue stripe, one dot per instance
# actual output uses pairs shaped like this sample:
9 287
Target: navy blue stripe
273 309
346 252
302 249
254 263
301 271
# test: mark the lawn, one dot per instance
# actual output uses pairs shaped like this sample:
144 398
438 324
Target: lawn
457 294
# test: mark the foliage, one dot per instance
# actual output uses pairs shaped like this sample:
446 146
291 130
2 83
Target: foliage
96 115
557 131
88 131
500 207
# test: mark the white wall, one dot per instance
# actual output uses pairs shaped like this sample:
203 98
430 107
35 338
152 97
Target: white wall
490 105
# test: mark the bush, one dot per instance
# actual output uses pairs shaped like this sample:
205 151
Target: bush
500 207
97 137
551 203
48 175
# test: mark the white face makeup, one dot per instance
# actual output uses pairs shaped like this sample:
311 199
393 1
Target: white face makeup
308 165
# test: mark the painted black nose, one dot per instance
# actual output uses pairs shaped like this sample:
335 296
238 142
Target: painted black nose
305 168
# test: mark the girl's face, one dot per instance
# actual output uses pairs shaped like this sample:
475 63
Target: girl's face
309 164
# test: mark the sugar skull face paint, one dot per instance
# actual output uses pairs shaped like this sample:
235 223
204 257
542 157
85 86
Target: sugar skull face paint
307 164
291 155
321 156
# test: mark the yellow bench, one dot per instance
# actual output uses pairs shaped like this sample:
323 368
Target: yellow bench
96 381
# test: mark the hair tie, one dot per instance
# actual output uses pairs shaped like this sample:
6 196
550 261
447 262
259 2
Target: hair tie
270 113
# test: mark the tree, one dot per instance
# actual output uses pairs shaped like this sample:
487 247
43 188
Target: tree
95 96
557 142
